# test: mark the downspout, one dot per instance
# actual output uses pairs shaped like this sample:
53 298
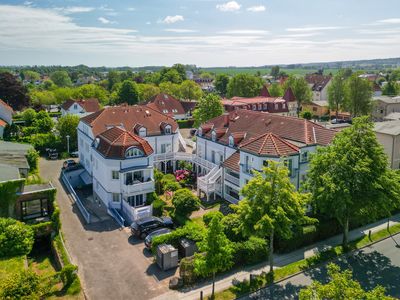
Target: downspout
392 163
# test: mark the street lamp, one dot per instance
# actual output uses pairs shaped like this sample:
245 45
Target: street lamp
67 143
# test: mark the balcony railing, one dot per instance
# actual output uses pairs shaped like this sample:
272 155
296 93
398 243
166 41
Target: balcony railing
139 188
232 179
184 156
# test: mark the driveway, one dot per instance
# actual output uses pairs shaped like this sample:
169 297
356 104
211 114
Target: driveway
378 264
112 265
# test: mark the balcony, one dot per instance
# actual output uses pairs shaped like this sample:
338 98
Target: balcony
186 157
232 179
138 187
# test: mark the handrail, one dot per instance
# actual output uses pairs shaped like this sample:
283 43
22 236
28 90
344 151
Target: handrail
117 217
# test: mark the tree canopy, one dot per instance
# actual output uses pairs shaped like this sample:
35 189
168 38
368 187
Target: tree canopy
13 92
300 89
337 93
208 107
275 90
67 125
190 90
61 78
244 85
127 93
358 96
221 84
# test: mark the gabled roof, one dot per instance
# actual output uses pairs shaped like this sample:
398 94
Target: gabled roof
114 142
269 144
317 81
264 92
233 162
166 104
89 105
6 106
256 123
289 95
127 117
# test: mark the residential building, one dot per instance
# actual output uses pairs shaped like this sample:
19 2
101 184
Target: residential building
385 105
243 140
317 108
81 107
206 84
14 155
388 134
170 106
6 113
319 85
285 105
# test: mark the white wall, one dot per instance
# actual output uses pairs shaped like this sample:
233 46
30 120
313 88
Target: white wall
391 146
5 114
207 146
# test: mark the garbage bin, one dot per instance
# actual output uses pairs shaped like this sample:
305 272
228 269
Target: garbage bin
167 257
187 247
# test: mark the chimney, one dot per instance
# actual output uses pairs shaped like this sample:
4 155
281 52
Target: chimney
226 119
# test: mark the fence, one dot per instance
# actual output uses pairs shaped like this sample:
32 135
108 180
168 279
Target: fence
86 215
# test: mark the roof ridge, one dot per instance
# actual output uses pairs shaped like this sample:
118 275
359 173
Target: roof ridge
275 145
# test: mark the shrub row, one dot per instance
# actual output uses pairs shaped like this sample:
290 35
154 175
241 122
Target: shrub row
185 123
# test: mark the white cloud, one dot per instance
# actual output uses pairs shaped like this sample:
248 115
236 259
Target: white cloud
178 30
258 8
28 3
245 32
148 23
172 19
309 28
131 9
106 8
74 9
229 6
390 21
106 21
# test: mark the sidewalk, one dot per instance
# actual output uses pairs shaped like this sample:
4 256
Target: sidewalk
225 281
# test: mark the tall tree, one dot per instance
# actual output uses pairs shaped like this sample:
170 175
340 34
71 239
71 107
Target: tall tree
43 122
221 84
68 125
146 91
170 88
208 107
113 77
300 89
336 93
61 78
275 71
171 75
391 88
128 93
358 96
341 285
350 178
244 85
13 92
91 91
275 90
190 90
271 206
218 252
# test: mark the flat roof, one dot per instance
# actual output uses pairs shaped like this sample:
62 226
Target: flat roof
388 127
387 99
12 147
8 172
34 188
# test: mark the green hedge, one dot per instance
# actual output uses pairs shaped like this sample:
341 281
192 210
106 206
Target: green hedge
251 251
16 238
42 229
158 204
185 123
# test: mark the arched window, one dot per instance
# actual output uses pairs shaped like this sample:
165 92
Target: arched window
231 141
133 152
213 136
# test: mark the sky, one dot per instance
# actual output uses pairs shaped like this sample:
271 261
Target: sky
202 32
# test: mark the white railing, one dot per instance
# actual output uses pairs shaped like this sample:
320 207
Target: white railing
232 179
231 199
138 188
181 140
184 156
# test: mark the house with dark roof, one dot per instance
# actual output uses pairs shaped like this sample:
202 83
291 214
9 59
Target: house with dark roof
81 107
170 106
242 141
319 85
6 113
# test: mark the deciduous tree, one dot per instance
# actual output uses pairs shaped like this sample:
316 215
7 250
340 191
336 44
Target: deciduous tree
336 93
244 85
61 78
146 91
275 71
128 93
190 90
185 202
221 84
13 92
275 90
358 96
208 107
300 89
67 125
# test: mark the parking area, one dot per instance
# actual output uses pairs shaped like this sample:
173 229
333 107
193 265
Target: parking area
112 264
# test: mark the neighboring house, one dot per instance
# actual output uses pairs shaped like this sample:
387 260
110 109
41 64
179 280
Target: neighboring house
385 105
206 84
170 106
14 155
392 117
6 113
285 105
377 90
317 108
319 85
388 134
243 140
80 108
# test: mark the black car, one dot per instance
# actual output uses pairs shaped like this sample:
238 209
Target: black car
149 238
144 226
69 163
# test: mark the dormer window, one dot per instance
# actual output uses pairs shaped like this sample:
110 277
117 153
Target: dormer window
133 152
75 106
213 136
167 129
231 141
200 131
165 111
142 131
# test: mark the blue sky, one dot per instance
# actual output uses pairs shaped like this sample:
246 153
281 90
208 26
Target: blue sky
201 32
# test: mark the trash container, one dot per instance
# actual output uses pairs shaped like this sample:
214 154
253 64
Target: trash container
167 257
187 247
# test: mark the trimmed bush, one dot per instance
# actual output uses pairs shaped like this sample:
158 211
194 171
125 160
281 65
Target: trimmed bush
185 202
301 236
16 238
32 158
171 186
23 285
231 223
158 204
68 274
210 215
186 270
185 123
251 251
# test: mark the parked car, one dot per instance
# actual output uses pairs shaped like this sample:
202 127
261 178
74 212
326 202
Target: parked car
144 226
149 238
74 154
52 153
69 163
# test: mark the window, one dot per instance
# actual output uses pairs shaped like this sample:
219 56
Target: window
213 156
165 148
254 107
231 141
213 136
289 164
134 177
265 163
167 129
32 209
115 197
165 111
174 110
142 131
259 106
284 105
115 174
75 106
221 158
314 109
133 152
249 164
137 200
276 106
304 156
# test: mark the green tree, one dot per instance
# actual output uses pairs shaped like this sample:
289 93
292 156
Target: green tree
43 122
271 206
29 116
146 91
32 157
22 285
244 85
61 78
341 285
218 252
185 202
113 77
13 92
128 93
170 88
306 115
358 96
42 97
91 91
190 90
208 107
63 94
336 93
30 75
68 125
206 75
48 85
300 89
171 75
391 89
275 71
350 179
16 238
275 90
221 84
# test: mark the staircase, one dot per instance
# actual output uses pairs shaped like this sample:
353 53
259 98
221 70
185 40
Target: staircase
211 183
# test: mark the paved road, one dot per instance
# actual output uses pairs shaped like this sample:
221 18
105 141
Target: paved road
373 265
112 265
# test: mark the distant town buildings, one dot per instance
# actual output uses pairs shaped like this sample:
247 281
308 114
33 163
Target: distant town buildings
80 108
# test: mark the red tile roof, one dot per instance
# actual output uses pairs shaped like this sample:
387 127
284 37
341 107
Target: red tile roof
317 81
6 106
269 144
89 105
129 117
166 104
3 123
257 123
114 142
233 162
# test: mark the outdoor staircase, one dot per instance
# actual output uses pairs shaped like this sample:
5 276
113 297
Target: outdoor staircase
211 182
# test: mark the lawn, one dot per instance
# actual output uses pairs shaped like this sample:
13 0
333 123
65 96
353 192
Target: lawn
11 265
